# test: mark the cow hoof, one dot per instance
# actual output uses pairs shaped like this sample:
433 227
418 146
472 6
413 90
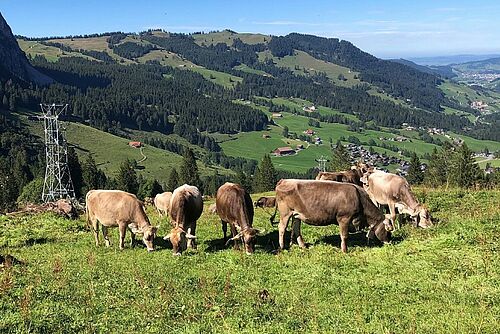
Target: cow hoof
177 254
248 253
151 250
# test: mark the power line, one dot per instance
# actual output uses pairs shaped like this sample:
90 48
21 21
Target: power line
57 183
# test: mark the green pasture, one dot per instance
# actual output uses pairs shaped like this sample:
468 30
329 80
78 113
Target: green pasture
440 280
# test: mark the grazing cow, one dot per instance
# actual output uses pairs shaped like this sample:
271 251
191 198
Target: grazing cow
186 207
234 207
265 202
212 209
393 190
113 208
350 176
322 203
162 203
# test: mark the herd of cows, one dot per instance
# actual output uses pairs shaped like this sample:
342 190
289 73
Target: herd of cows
352 199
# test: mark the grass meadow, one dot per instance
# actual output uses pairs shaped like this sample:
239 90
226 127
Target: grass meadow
440 280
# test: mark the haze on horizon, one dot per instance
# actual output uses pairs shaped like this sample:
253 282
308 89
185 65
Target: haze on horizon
387 28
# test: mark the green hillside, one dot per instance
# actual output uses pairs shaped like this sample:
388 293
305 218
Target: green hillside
110 151
252 144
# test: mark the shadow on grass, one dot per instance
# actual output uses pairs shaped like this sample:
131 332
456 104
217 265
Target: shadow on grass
358 239
267 243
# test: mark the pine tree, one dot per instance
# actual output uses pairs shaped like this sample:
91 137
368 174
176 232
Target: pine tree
285 131
189 170
415 173
148 188
243 180
173 180
127 177
93 178
341 159
464 170
266 177
75 170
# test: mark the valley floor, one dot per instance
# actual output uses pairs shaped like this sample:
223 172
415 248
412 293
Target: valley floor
440 280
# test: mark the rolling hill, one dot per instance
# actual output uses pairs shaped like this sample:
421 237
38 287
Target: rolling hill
236 70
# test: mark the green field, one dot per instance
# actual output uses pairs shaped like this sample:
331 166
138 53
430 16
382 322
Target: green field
440 280
220 78
228 38
301 63
464 95
33 48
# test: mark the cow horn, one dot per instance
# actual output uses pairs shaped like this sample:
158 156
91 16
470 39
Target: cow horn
167 237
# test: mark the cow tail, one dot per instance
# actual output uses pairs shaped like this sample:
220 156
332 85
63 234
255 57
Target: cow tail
87 215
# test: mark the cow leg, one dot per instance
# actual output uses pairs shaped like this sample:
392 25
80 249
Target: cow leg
191 243
132 239
296 232
392 210
123 230
234 232
105 235
282 228
95 230
344 233
224 230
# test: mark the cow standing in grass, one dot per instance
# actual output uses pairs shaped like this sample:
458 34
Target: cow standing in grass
162 203
393 190
186 207
235 207
116 208
322 203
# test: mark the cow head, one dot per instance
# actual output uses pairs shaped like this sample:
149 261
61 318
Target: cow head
148 235
248 236
178 237
382 230
260 202
423 218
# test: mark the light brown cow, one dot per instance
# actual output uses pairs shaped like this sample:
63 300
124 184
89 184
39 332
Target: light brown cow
234 207
322 203
393 190
162 203
186 207
350 176
113 208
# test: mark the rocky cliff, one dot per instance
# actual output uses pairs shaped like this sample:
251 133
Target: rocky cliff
13 61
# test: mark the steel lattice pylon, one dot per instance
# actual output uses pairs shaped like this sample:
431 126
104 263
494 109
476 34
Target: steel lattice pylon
57 182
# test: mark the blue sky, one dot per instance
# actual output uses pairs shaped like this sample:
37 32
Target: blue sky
384 28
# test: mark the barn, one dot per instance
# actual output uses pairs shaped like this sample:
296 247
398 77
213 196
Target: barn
281 151
136 144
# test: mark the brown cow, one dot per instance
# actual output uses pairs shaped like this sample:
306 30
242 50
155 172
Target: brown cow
234 207
186 207
350 176
162 203
113 208
265 202
393 190
322 203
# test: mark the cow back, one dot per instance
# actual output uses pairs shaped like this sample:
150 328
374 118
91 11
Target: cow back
186 205
234 205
